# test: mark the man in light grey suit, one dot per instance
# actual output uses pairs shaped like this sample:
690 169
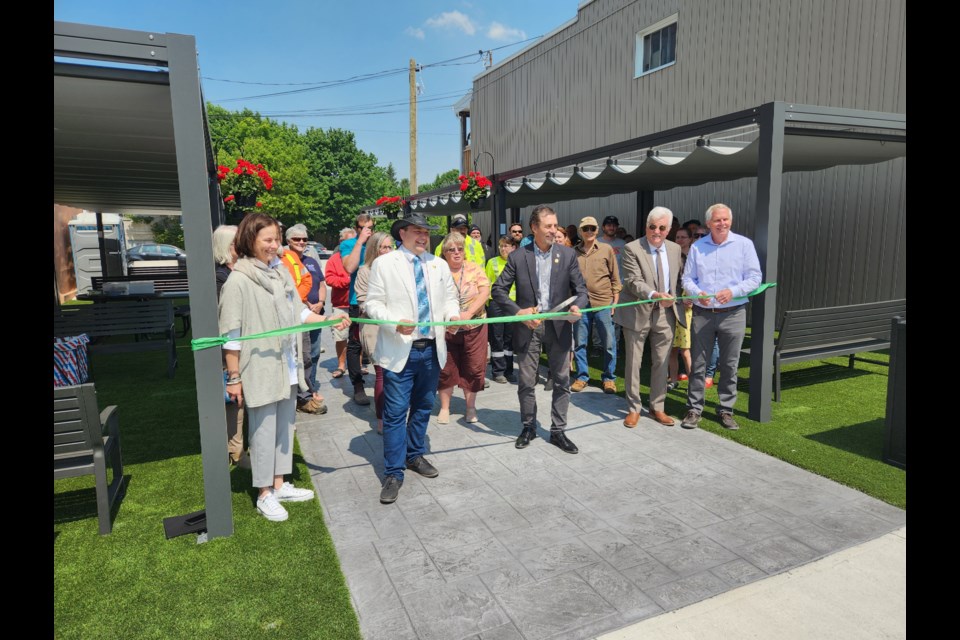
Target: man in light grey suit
546 274
651 270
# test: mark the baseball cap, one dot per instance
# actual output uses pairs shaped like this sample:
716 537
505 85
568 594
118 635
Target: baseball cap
588 221
611 220
458 220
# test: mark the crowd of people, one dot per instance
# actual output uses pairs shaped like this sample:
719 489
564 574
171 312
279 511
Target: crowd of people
393 277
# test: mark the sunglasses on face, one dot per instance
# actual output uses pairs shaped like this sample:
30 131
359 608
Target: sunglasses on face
516 231
654 227
298 240
454 250
590 229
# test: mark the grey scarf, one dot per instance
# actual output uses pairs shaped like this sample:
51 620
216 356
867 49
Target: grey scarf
283 291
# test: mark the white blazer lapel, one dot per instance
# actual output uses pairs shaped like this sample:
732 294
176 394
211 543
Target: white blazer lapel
401 277
437 290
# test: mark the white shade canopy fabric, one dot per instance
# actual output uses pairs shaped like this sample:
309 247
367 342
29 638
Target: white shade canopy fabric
728 155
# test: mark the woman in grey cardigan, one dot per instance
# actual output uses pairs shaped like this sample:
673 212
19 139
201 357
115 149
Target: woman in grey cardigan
265 374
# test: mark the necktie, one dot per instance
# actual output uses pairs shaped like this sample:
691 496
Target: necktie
660 283
423 302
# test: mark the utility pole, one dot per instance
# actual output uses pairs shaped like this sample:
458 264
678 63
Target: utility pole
413 126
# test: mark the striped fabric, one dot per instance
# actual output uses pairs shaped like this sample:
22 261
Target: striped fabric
70 364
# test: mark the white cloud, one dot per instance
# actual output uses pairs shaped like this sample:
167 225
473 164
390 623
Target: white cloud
415 32
499 31
452 19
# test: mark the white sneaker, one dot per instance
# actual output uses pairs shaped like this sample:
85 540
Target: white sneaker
289 493
271 509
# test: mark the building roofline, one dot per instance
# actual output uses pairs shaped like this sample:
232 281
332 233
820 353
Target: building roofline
543 39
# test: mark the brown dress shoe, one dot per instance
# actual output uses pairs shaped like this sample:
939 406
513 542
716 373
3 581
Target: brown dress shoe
631 420
663 418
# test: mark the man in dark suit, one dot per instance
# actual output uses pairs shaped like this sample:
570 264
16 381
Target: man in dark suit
546 274
651 270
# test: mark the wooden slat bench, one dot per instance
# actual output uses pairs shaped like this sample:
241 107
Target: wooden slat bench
168 281
84 440
149 318
810 334
162 283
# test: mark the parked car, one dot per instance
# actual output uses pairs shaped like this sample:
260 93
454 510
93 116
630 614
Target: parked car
153 251
321 250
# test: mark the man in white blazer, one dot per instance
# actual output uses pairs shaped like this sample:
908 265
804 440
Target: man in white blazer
409 285
651 270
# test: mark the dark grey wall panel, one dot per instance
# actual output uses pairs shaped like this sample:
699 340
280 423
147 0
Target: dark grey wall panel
576 90
843 237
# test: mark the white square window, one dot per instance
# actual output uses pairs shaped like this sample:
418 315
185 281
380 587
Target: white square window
656 46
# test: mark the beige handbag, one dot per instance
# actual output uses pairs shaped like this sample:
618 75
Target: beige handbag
368 338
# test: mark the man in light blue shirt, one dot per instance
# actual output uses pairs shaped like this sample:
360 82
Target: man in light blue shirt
723 265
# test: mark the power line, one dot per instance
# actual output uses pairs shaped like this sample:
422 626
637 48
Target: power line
376 75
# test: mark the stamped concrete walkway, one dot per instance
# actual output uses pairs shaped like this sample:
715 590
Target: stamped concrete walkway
537 543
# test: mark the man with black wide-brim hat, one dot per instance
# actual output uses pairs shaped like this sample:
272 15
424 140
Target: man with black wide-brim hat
413 286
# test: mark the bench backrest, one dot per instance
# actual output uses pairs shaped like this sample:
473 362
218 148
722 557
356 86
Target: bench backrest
836 325
164 282
76 420
120 318
136 270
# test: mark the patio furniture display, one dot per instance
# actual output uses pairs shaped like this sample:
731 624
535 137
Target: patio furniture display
811 334
84 440
151 322
165 282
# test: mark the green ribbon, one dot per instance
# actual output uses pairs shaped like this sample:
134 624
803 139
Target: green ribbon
198 344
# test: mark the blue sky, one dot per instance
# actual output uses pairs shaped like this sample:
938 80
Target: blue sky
299 41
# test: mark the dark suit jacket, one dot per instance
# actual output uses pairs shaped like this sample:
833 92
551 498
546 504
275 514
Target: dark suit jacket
565 281
638 274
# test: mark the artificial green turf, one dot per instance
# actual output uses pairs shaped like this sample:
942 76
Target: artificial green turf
830 419
269 579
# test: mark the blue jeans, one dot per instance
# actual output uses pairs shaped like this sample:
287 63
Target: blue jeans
602 321
407 404
311 373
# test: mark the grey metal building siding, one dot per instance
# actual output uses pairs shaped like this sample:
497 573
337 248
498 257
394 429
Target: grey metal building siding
576 91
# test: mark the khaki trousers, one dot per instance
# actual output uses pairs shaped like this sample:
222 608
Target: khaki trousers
660 330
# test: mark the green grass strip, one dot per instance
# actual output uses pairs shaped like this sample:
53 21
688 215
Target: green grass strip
267 580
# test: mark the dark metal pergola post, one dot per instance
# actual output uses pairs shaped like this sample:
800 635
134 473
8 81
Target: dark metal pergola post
499 212
101 244
194 166
767 241
644 204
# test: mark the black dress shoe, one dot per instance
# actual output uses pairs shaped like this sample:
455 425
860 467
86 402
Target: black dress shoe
421 466
390 489
526 436
560 439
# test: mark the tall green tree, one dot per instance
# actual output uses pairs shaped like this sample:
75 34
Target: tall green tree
321 178
279 148
344 178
